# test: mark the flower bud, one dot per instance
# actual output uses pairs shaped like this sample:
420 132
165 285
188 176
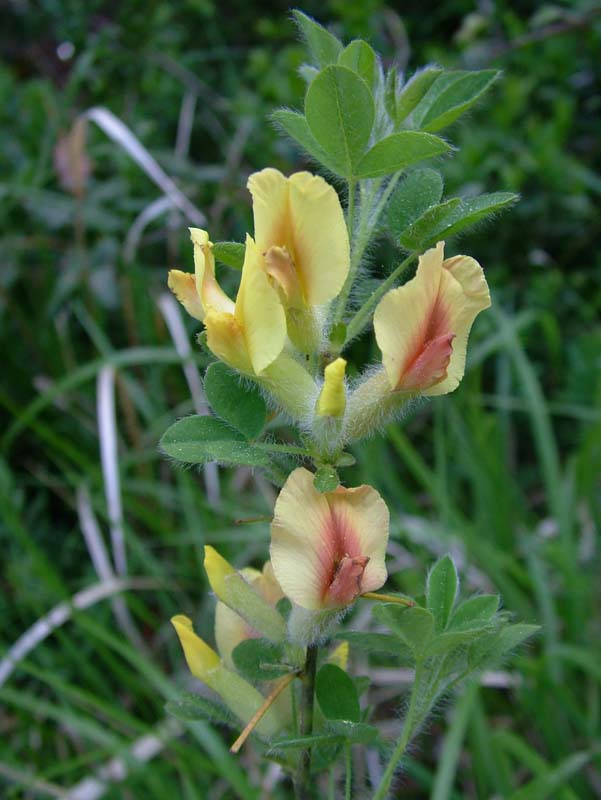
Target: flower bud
239 696
231 588
332 398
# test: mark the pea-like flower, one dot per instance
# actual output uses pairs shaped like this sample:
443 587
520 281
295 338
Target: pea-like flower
302 237
242 699
422 327
327 549
245 609
230 627
249 334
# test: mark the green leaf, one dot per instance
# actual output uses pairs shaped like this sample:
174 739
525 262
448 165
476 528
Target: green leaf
323 46
492 648
419 191
260 660
337 694
451 94
474 210
399 150
474 612
427 228
354 732
449 640
340 112
197 440
229 253
375 642
295 125
242 406
326 479
361 58
413 91
415 626
190 707
441 591
455 215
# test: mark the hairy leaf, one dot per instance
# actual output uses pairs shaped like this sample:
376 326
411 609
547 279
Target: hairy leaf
242 406
340 111
337 694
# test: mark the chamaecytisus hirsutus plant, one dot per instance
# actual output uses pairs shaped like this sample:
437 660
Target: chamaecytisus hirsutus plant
279 670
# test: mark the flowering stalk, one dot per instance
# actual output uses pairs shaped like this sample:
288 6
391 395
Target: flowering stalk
279 341
301 783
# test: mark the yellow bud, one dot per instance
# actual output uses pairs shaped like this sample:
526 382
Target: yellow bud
339 656
201 659
217 569
239 696
332 398
238 594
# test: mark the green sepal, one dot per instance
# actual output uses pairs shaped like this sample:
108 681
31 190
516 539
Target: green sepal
326 479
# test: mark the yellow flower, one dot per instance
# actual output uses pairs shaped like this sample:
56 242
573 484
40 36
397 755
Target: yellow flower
327 549
243 598
332 398
302 238
249 334
240 697
422 327
230 627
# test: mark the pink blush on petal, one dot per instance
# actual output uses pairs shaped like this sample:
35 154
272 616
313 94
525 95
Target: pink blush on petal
341 563
346 585
430 367
425 364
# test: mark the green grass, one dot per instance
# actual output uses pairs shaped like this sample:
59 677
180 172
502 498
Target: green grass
504 474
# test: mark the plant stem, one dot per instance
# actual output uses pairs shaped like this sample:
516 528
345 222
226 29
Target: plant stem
303 774
348 785
350 210
360 319
404 739
358 242
369 215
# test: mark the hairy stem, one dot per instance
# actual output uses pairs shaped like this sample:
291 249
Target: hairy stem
359 241
369 215
401 746
361 318
303 774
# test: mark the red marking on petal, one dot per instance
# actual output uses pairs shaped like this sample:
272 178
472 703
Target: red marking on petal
430 366
346 585
430 354
341 561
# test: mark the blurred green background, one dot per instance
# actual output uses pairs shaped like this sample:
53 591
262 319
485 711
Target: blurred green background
504 474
